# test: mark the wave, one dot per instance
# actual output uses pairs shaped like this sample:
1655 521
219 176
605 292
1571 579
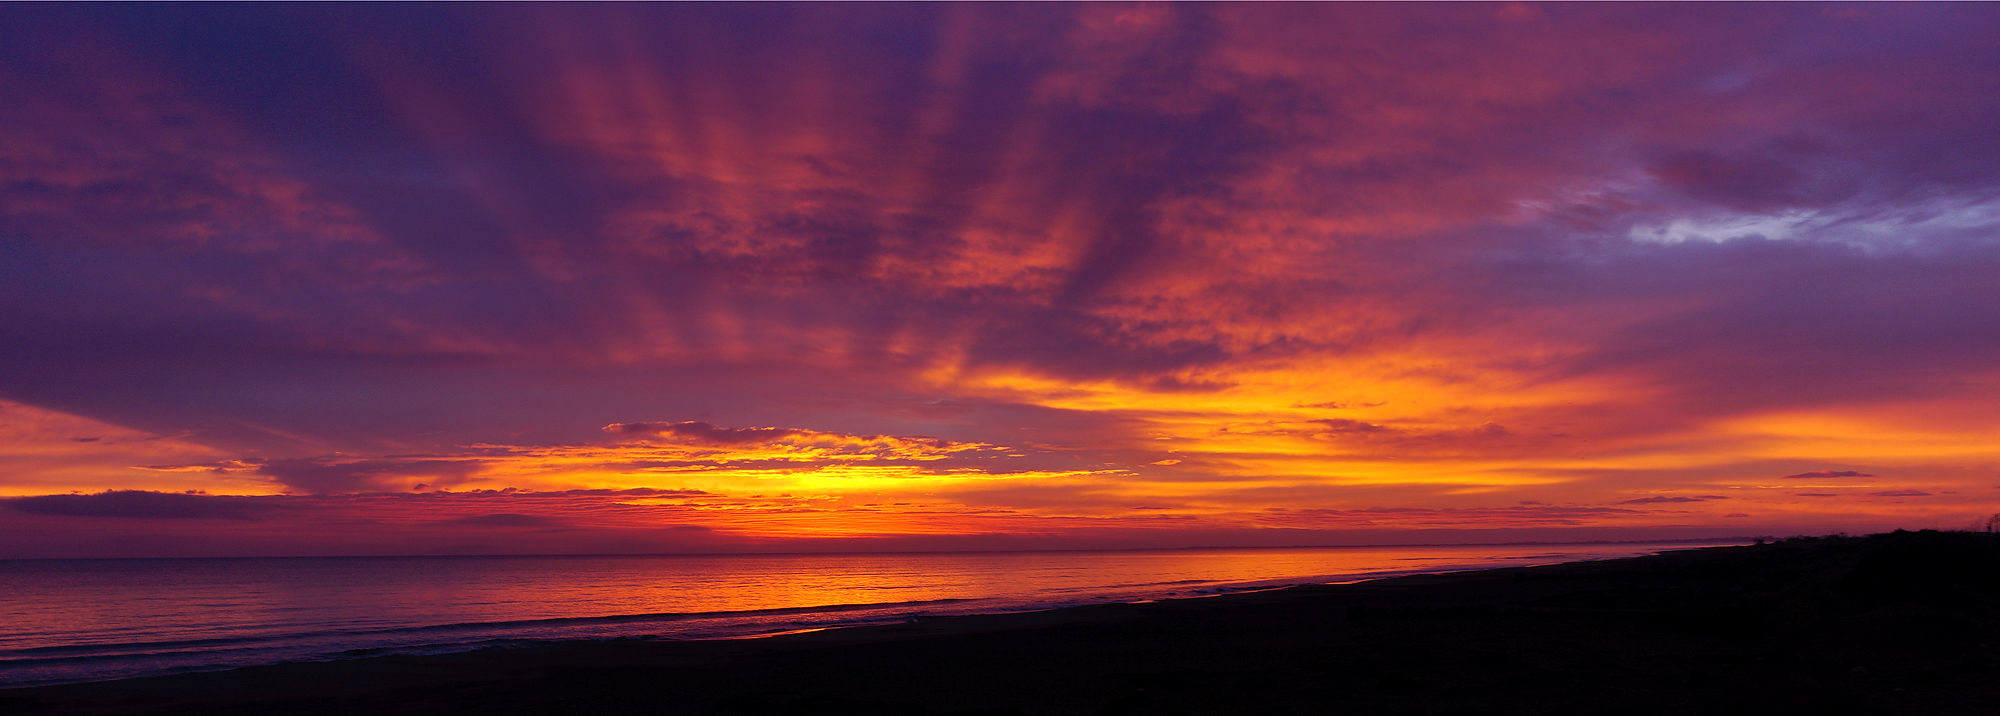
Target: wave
43 654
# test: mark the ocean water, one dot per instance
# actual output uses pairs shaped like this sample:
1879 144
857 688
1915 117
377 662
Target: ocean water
82 620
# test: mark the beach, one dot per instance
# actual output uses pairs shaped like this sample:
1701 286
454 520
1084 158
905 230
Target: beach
1898 623
155 617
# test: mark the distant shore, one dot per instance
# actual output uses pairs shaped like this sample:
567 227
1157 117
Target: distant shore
1900 623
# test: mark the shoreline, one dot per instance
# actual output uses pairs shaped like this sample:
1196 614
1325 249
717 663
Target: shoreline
138 657
1785 625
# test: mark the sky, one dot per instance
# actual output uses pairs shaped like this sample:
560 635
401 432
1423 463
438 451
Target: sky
440 279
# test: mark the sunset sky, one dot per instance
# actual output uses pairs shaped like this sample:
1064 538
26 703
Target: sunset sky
416 279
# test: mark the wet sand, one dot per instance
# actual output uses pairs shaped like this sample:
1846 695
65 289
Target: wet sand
1900 623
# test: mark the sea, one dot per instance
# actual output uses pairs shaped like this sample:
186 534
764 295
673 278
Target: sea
65 621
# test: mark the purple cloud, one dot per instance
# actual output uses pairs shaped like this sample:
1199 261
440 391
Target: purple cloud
507 519
1828 473
702 433
1676 499
141 504
336 475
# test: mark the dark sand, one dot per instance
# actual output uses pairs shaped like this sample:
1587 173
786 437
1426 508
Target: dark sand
1900 623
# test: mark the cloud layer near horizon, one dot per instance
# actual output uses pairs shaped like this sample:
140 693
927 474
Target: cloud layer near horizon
1240 267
